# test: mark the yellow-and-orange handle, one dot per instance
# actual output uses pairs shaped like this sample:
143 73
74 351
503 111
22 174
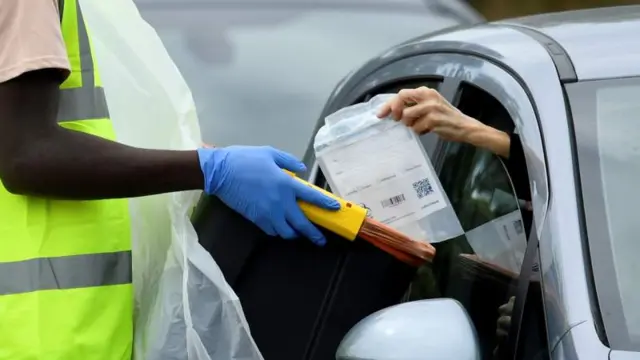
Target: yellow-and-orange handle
345 222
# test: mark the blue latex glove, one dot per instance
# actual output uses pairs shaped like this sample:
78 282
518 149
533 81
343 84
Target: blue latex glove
250 180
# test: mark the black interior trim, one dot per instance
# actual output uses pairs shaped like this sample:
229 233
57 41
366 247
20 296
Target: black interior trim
61 9
509 350
597 314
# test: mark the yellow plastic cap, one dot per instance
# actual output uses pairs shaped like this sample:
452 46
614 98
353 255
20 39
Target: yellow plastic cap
345 222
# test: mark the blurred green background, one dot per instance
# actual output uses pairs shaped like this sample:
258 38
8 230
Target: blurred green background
500 9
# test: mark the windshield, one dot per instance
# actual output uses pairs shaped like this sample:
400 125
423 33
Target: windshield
261 71
606 115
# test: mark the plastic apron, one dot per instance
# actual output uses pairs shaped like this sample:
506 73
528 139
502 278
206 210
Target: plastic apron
185 310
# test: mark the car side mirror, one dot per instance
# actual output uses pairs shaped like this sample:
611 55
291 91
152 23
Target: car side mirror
426 329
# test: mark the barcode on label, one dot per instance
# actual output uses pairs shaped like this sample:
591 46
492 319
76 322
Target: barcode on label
517 226
393 201
423 188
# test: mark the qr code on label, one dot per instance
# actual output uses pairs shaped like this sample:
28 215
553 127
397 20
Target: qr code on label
517 226
423 188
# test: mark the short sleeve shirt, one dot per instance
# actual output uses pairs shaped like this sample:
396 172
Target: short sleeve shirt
30 38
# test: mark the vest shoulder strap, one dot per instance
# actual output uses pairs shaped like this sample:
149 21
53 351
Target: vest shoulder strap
61 9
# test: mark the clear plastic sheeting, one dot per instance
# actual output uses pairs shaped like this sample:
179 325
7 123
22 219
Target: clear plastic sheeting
502 240
185 310
381 165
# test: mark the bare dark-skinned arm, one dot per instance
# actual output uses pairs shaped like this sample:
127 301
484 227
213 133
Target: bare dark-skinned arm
38 157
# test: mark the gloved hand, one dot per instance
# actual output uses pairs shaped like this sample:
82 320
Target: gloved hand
250 180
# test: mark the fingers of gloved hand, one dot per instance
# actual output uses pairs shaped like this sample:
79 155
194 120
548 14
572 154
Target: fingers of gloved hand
207 162
303 226
287 161
284 230
266 227
312 196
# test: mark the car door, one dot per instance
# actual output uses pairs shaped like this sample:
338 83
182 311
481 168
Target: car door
472 268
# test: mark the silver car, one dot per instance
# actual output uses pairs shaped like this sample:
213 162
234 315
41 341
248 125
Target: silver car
569 85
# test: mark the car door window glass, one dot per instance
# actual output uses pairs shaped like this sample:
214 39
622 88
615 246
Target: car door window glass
481 268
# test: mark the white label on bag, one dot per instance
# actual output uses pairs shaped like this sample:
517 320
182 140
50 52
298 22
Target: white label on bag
388 174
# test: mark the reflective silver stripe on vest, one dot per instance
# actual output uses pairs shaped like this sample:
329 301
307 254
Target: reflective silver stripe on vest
87 102
86 61
67 272
82 104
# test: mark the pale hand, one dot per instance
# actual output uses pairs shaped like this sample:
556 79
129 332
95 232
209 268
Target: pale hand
425 110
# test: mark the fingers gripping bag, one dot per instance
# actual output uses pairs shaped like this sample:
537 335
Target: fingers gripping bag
184 308
381 164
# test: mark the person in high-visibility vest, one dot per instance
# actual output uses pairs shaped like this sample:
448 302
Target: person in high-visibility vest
65 261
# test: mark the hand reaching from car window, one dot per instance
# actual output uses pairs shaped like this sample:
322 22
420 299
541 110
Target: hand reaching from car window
426 111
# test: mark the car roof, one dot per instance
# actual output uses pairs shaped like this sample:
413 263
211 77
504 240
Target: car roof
601 42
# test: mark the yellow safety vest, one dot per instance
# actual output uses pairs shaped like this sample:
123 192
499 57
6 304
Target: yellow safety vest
65 266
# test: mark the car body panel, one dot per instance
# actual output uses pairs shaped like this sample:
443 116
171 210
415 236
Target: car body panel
623 355
602 43
579 344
